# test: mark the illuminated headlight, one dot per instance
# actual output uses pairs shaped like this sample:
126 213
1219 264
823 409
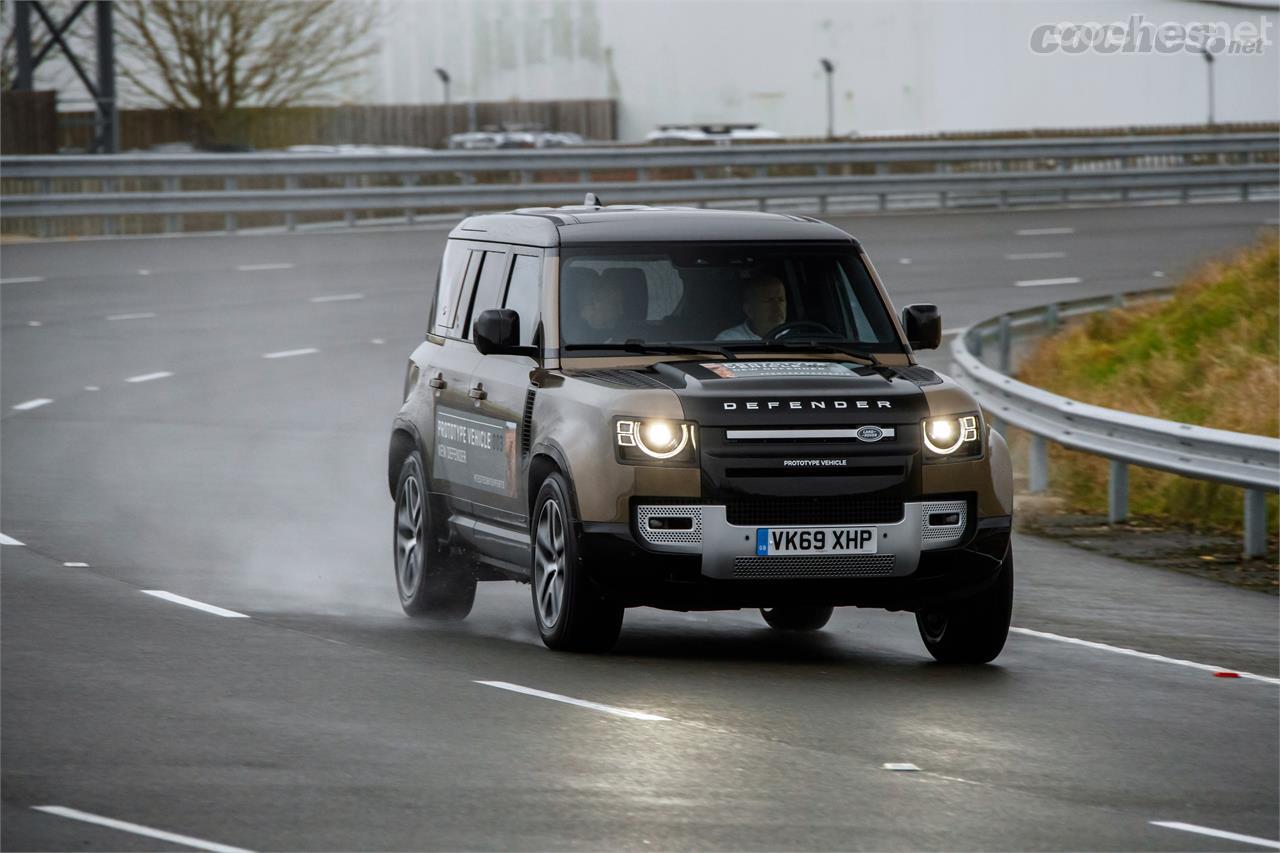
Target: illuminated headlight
656 440
955 436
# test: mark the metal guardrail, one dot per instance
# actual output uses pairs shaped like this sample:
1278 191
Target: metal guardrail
1001 172
1251 462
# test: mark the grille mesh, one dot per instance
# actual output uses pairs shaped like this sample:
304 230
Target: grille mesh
692 536
839 566
940 536
813 511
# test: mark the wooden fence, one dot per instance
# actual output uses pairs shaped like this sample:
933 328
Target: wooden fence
28 122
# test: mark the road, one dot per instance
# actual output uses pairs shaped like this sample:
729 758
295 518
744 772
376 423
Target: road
215 429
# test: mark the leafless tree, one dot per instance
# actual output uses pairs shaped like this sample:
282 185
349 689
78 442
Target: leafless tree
216 57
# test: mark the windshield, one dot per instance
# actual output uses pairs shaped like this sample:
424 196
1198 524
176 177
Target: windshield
721 296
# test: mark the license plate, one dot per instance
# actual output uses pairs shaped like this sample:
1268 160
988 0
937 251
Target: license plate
774 541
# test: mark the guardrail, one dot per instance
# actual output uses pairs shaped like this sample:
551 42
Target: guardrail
1001 172
1249 461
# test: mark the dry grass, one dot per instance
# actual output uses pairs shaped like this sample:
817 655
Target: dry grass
1211 356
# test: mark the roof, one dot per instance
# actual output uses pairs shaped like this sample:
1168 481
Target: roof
597 224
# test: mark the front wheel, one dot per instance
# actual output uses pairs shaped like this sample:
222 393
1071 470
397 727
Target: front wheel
797 618
428 584
571 616
972 629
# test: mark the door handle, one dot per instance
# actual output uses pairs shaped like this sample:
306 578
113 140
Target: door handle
437 381
477 391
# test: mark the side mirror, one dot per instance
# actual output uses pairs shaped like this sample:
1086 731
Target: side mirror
923 325
497 332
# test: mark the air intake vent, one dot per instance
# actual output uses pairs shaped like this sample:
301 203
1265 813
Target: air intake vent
526 423
618 376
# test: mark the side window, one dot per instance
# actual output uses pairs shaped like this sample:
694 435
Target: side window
522 294
453 268
488 290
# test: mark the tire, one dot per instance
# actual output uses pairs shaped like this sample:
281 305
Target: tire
797 618
428 584
571 616
973 629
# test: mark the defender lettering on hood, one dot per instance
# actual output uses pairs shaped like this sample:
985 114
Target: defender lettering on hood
753 405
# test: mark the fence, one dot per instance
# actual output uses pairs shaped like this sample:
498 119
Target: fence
28 122
1249 461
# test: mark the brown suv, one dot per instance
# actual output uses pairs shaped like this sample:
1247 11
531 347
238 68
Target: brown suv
691 409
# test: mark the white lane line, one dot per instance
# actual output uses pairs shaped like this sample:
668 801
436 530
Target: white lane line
904 260
76 565
141 316
340 297
92 388
901 767
377 341
568 700
9 540
1043 232
1034 256
34 323
139 829
148 377
1157 274
25 279
32 404
1120 650
1046 282
290 353
1217 833
144 272
198 605
261 267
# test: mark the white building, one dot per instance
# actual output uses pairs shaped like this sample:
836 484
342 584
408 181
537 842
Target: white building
900 64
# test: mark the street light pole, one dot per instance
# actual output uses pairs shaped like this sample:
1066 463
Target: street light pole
448 109
1208 61
828 66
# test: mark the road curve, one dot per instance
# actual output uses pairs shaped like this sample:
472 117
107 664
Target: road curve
201 645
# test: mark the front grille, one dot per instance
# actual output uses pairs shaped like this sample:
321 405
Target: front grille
812 511
827 566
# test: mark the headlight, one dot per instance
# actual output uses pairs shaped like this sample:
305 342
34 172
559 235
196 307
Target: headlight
650 440
954 436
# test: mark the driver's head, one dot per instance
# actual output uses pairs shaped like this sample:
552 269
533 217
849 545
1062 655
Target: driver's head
765 303
602 305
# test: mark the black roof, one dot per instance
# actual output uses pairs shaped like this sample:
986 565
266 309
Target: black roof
586 225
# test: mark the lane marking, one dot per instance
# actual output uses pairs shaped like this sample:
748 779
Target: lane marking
568 700
139 829
340 297
261 267
9 540
149 377
1046 282
290 353
377 341
198 605
76 565
904 260
34 323
32 404
1120 650
25 279
1042 232
92 388
1034 256
140 316
1217 833
144 272
1157 274
902 767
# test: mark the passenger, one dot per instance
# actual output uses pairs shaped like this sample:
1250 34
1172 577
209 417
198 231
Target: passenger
764 301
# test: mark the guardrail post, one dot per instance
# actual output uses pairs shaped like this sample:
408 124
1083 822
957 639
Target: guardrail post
942 199
975 344
291 218
1118 493
1244 192
172 222
1006 343
1051 319
348 215
1038 465
1004 198
407 181
110 224
42 225
1255 523
229 219
884 200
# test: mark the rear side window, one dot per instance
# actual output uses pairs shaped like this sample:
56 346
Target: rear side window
488 292
522 295
453 269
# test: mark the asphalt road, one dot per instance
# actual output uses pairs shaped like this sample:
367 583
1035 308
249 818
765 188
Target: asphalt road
327 720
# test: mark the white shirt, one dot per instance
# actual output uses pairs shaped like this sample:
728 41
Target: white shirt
740 332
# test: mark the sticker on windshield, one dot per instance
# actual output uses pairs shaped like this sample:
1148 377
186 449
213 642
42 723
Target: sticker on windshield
476 451
771 369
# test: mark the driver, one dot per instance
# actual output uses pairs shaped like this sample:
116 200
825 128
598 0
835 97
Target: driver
602 310
764 301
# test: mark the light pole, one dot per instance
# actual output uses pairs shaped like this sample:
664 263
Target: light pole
828 66
448 110
1208 61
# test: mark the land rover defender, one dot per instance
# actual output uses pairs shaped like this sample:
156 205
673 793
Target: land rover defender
691 409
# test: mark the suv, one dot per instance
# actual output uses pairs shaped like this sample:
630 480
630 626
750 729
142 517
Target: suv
692 410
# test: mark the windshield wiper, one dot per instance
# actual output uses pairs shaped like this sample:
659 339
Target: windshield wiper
808 346
641 348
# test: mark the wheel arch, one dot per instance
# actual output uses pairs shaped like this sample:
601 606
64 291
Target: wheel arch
404 440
